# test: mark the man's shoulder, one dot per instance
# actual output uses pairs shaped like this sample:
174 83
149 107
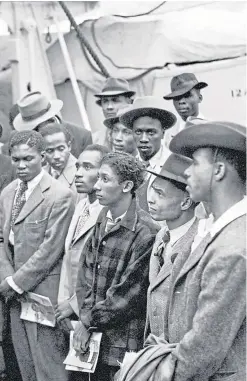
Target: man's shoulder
56 188
144 220
76 129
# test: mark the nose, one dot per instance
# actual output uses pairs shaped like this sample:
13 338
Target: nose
144 137
97 185
150 197
21 164
56 154
187 173
109 105
119 136
79 172
181 101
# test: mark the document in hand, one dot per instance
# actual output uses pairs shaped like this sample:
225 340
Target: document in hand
37 308
85 362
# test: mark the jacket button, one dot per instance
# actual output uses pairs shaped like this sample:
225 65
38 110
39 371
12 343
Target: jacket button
98 266
103 243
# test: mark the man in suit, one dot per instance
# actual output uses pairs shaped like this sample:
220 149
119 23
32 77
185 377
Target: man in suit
148 119
61 164
35 214
37 111
168 201
81 226
206 313
113 274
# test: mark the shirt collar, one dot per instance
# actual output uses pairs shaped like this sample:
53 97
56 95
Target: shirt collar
118 219
237 210
179 232
91 206
35 181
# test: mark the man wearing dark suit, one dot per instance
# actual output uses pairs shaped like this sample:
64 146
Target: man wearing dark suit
35 214
206 313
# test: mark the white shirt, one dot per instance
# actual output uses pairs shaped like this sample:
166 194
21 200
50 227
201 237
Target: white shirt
118 219
30 187
204 225
237 210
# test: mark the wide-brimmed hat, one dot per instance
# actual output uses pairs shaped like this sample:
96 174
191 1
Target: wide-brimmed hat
109 122
35 108
183 83
174 168
148 106
114 86
212 134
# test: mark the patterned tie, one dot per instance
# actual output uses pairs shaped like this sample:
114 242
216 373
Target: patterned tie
159 253
81 222
19 202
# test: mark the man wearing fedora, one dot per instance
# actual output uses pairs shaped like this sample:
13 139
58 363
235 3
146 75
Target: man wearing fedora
36 111
121 136
186 96
206 313
149 120
115 95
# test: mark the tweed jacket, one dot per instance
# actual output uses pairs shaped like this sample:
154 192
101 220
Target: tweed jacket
113 279
159 279
73 251
7 172
39 231
207 308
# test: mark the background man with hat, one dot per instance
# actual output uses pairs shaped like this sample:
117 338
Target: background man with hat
36 111
186 96
115 95
148 119
206 313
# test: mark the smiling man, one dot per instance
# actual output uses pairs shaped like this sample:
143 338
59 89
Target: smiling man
35 212
113 274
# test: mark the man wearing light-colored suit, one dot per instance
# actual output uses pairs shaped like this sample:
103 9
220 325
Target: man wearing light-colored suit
168 200
206 313
88 165
35 214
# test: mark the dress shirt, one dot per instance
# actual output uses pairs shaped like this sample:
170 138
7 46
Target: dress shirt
118 219
237 210
30 187
55 173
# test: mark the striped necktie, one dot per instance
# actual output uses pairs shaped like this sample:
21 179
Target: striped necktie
160 250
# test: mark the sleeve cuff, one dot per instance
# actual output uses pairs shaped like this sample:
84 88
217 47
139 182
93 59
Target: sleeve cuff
13 285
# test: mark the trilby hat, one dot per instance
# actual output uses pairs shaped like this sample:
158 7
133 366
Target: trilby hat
114 86
183 83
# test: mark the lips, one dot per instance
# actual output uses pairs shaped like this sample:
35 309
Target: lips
144 148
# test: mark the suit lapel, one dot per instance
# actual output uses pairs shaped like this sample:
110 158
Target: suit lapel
91 221
69 171
73 224
9 204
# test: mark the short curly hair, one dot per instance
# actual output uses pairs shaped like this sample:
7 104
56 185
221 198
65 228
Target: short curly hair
31 138
126 167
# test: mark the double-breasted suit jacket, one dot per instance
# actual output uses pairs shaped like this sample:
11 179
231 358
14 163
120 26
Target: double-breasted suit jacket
207 308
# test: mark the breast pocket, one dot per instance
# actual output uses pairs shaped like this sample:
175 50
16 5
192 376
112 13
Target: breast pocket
35 231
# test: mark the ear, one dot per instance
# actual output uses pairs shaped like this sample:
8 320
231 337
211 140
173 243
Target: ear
69 146
200 98
127 186
43 157
220 170
186 203
163 132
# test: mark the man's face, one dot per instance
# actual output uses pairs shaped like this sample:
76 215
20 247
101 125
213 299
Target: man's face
111 104
54 119
188 104
86 176
148 133
27 161
108 189
199 175
123 139
164 200
57 150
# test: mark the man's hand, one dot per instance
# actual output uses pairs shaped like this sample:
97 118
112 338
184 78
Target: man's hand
81 338
63 311
6 290
165 369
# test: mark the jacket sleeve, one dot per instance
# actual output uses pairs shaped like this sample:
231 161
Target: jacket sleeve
6 268
220 313
127 299
38 266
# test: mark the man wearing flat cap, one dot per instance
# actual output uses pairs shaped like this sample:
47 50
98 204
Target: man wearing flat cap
186 96
206 313
149 120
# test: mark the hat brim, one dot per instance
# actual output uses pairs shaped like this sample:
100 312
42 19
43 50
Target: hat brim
113 93
109 122
166 175
213 134
166 118
177 93
20 124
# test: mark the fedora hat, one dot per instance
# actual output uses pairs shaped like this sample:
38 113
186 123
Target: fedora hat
212 134
109 122
114 86
148 106
35 108
183 83
173 168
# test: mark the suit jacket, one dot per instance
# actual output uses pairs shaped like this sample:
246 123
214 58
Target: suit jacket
158 291
207 308
7 171
112 281
81 138
39 231
73 252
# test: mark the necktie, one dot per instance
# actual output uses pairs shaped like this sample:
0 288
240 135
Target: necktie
159 253
55 174
81 222
19 202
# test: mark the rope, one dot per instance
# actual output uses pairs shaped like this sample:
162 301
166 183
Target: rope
83 39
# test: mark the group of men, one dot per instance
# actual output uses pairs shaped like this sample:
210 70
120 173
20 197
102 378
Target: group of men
142 239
